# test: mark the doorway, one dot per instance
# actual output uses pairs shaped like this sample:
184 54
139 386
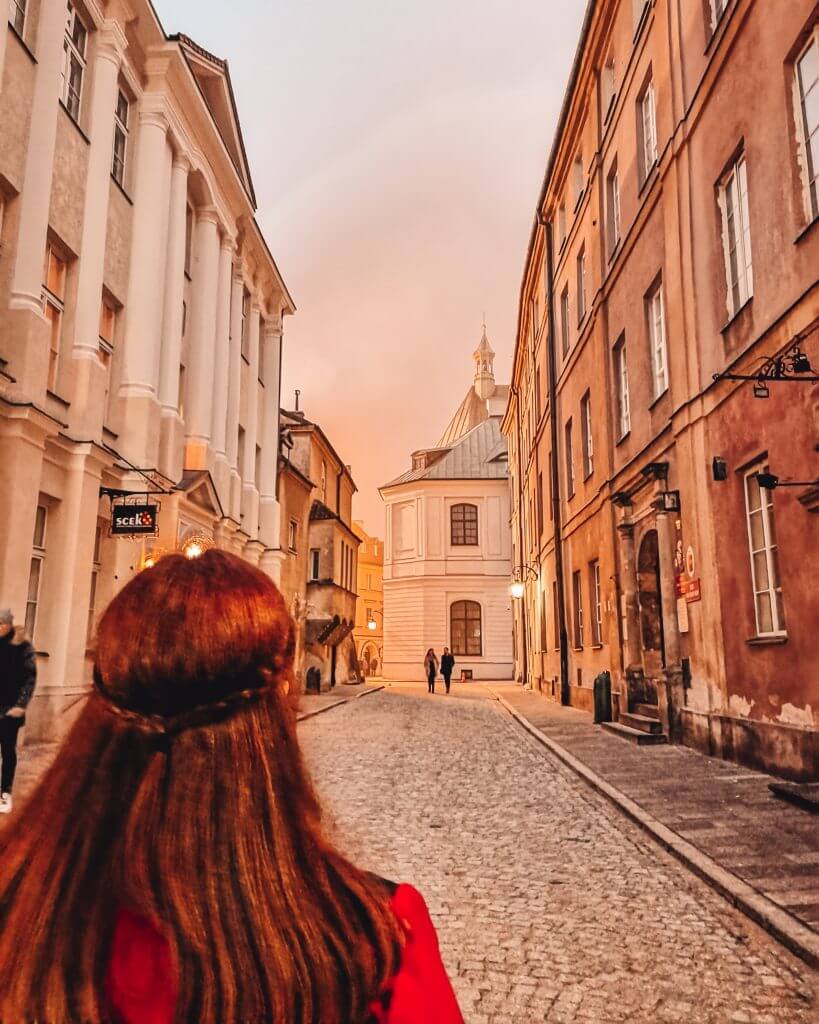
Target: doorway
651 613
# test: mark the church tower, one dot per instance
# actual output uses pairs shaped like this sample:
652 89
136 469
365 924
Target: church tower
484 369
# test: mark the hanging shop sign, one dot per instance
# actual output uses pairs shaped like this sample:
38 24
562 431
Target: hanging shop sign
134 520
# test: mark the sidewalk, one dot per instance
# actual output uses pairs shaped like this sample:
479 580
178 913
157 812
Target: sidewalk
696 806
34 759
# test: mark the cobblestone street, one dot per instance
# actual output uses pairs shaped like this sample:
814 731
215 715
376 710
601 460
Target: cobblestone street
550 906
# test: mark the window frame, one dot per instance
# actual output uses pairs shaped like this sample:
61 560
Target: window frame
119 162
38 555
596 594
292 534
464 651
469 513
771 551
56 302
562 227
565 314
613 210
579 180
105 351
577 610
657 345
568 454
74 54
587 436
649 150
581 284
17 19
623 402
315 564
809 168
736 235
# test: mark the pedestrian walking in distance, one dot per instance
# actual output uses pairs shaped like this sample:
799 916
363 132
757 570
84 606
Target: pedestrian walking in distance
172 865
18 677
447 665
431 669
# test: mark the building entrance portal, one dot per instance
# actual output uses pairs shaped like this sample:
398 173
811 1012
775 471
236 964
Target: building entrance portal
651 615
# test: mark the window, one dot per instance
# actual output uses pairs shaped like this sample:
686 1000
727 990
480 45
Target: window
569 459
463 521
369 581
35 575
768 606
581 284
323 482
53 307
292 533
539 504
621 385
257 466
717 11
189 240
613 210
543 639
578 179
577 608
245 324
314 563
737 236
640 10
95 572
17 16
647 130
120 138
74 44
561 226
588 443
807 81
597 603
656 335
465 628
108 318
551 484
564 320
554 615
608 89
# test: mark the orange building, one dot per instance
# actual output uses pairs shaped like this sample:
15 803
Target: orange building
675 241
369 615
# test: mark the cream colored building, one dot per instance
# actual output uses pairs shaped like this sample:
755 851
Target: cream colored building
448 548
140 321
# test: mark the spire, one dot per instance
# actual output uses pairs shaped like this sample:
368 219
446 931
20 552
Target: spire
484 358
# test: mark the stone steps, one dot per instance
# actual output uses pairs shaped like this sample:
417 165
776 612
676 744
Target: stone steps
648 710
644 723
637 736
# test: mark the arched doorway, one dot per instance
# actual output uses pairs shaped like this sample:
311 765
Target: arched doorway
369 659
651 613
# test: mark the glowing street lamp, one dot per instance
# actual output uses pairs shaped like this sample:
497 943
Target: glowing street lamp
518 589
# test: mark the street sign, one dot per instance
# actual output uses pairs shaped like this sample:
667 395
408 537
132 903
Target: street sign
133 520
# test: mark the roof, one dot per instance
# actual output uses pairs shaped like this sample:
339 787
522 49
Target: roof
470 413
481 454
484 348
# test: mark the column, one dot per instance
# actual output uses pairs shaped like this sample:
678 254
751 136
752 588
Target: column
35 197
142 337
111 44
171 434
200 371
268 503
174 289
234 390
250 495
221 374
629 588
675 694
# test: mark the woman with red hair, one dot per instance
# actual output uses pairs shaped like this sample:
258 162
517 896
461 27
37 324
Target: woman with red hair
171 866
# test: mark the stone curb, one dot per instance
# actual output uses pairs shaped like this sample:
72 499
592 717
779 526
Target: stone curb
798 938
302 716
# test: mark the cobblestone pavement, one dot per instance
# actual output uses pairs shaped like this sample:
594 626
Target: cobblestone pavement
550 906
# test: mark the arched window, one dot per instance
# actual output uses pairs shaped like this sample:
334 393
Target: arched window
464 524
465 628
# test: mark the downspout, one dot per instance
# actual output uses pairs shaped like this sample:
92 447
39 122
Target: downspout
523 624
555 469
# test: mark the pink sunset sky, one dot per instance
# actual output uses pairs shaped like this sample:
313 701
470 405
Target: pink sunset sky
397 150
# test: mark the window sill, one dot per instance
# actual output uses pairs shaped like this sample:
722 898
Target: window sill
622 437
588 476
717 31
597 647
58 398
768 641
648 179
23 43
658 399
806 230
260 381
76 124
121 188
576 648
736 315
245 360
188 275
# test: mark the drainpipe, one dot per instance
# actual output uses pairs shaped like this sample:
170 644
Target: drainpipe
555 467
523 616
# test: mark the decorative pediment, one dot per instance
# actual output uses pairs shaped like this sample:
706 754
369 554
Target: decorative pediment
199 490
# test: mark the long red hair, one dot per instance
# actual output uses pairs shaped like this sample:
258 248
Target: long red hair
181 795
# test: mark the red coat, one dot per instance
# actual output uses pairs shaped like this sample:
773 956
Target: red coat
141 988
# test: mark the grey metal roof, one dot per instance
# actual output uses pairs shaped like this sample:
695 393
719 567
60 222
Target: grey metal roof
478 455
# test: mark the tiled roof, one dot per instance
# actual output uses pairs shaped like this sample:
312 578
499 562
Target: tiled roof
478 455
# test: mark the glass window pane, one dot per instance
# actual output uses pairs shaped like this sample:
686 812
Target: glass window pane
780 610
753 489
39 526
757 532
760 560
763 613
34 579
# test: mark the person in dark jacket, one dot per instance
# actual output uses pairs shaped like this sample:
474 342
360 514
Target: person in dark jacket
18 676
447 665
431 669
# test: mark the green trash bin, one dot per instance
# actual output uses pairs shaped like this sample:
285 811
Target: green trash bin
602 698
